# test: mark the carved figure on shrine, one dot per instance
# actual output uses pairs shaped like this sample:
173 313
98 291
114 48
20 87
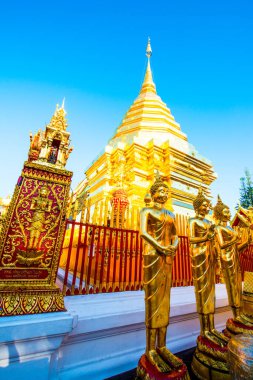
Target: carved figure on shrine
41 205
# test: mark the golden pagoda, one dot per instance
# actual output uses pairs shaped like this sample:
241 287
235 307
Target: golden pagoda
147 140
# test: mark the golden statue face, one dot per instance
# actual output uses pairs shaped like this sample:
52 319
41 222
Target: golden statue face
226 214
204 208
161 195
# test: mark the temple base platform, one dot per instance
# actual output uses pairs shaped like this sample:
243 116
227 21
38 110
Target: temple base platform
210 361
30 301
146 371
108 327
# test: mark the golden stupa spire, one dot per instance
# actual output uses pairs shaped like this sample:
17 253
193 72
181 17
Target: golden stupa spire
148 84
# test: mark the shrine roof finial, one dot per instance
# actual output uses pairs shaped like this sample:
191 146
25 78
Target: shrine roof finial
58 120
148 49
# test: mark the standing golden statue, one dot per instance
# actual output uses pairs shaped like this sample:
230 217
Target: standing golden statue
207 363
203 259
160 243
230 247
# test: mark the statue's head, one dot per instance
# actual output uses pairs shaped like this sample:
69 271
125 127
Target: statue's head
221 211
44 191
201 204
159 190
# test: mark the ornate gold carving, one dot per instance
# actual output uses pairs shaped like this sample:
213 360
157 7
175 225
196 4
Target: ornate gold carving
35 146
31 302
31 240
58 120
34 224
248 282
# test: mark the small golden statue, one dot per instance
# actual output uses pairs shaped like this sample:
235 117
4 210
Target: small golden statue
159 233
243 224
203 258
230 247
41 204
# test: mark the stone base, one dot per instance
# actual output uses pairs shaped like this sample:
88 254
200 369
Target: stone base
20 302
29 345
210 361
146 371
234 327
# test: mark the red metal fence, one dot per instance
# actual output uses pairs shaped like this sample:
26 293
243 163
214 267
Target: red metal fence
99 259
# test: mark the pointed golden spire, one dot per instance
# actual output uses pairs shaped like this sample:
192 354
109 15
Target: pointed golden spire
58 120
148 84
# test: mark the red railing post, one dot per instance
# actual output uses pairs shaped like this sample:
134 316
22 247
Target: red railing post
76 260
84 259
102 269
109 261
91 250
65 281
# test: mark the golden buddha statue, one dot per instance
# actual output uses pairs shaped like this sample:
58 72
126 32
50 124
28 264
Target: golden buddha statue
203 259
160 243
229 249
41 204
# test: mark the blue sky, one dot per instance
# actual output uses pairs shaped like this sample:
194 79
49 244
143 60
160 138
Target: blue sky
93 54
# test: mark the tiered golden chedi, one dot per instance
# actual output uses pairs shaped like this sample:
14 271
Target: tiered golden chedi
148 139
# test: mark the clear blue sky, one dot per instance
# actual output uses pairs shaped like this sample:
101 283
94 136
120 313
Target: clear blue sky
93 54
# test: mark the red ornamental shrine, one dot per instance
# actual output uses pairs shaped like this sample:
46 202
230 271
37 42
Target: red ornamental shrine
33 232
119 199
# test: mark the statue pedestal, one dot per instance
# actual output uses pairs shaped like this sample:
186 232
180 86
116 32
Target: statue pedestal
240 356
234 327
210 361
146 371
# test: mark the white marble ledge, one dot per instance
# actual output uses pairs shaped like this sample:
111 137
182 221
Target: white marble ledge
110 310
21 327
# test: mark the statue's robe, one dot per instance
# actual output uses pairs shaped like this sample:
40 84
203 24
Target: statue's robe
158 270
229 258
203 266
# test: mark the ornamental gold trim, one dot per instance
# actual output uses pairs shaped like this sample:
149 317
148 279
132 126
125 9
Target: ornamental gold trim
50 169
